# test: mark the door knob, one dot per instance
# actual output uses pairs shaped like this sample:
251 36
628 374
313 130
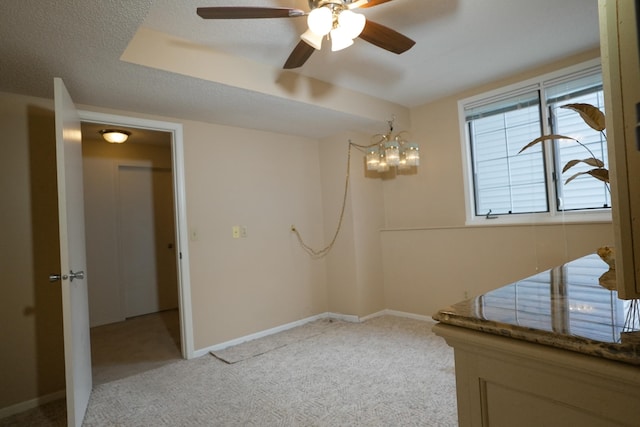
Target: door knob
76 275
55 277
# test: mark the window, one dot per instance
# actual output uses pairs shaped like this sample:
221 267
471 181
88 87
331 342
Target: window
503 183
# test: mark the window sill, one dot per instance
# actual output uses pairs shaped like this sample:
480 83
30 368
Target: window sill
584 217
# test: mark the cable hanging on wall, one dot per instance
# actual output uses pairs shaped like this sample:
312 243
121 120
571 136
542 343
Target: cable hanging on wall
385 151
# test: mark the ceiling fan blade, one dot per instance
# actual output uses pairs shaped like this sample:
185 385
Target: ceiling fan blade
298 56
386 38
372 3
231 12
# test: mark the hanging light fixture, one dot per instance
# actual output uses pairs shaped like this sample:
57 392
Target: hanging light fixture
389 150
115 136
335 20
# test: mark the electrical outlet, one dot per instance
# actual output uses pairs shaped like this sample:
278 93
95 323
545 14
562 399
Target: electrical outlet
243 231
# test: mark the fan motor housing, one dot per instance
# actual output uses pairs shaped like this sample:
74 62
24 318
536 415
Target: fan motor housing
342 4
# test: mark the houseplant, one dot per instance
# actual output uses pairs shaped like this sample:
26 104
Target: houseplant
595 119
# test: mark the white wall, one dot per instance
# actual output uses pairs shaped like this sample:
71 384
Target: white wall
100 168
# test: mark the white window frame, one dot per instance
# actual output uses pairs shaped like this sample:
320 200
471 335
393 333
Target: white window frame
553 216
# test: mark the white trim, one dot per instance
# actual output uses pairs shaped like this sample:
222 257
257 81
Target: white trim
389 312
344 317
30 404
326 315
261 334
589 216
180 204
552 217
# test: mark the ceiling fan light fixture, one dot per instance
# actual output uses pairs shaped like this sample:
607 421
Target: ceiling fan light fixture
352 23
320 20
312 39
115 136
340 39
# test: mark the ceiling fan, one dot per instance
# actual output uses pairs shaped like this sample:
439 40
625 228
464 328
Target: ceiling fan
332 19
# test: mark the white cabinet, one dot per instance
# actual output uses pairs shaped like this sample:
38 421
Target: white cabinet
503 382
619 20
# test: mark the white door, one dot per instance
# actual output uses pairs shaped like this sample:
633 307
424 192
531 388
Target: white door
75 303
147 236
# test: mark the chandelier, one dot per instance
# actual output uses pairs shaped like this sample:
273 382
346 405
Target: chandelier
387 150
391 151
335 20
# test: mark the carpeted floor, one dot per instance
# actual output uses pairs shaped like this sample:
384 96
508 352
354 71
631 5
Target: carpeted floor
388 371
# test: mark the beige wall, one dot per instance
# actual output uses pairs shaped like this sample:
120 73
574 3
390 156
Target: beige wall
100 162
266 182
354 265
439 259
31 352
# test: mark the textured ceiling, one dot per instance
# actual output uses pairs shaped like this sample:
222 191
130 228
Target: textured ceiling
460 44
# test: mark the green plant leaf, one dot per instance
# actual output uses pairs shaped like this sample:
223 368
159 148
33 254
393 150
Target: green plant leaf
591 115
591 161
600 173
544 138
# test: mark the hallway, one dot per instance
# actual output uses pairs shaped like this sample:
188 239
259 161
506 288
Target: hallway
122 349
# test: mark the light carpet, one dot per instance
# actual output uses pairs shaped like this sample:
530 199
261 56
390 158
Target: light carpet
387 371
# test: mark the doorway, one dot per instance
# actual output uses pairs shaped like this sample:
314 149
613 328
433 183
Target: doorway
141 189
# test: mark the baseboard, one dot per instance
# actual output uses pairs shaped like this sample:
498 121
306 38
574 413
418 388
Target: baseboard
30 404
344 317
410 315
261 334
328 315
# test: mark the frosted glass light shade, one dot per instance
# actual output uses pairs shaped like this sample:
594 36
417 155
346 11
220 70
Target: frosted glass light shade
373 159
312 39
392 153
115 136
320 21
352 23
339 39
383 166
412 154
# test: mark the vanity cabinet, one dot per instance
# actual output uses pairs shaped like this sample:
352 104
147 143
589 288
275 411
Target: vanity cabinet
554 349
620 53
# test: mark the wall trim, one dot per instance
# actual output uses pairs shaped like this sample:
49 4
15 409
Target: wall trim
389 312
261 334
31 404
327 315
180 206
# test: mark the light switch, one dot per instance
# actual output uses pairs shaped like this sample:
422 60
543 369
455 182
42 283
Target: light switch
235 231
243 231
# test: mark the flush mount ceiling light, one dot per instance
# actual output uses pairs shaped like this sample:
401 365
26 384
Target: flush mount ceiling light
115 136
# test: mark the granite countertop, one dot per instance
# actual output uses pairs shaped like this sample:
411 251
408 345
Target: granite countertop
566 307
